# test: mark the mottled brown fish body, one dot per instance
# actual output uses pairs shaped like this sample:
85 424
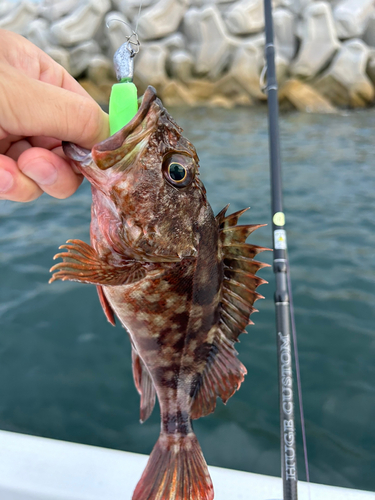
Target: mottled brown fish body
181 281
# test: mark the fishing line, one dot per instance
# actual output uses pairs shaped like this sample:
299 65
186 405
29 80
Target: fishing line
298 377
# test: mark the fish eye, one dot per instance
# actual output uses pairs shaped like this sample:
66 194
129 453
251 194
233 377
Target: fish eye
177 172
179 169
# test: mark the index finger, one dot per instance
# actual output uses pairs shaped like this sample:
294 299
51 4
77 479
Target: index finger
34 108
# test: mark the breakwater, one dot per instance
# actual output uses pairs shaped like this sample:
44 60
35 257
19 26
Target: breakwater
210 52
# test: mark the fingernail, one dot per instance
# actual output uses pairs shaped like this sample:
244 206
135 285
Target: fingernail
6 181
42 172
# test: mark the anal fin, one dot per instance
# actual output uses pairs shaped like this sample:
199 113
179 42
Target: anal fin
144 385
222 376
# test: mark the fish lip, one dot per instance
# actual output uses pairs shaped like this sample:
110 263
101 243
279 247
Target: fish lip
115 141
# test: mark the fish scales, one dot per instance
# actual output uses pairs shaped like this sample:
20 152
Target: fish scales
181 281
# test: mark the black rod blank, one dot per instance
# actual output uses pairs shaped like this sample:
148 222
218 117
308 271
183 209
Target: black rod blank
280 268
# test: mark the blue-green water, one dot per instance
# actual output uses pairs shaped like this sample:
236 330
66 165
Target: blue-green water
65 372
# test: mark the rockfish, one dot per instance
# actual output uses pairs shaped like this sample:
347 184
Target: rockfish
181 281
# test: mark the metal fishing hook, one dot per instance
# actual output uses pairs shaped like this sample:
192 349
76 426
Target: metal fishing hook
130 39
124 55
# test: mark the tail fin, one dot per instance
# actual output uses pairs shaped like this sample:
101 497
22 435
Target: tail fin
176 470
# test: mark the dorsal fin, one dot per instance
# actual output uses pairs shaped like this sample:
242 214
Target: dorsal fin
222 376
240 282
224 373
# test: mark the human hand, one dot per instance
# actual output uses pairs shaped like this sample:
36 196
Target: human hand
40 106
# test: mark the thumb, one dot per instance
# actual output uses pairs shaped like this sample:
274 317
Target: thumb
29 107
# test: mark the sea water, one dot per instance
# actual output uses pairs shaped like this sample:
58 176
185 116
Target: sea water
65 373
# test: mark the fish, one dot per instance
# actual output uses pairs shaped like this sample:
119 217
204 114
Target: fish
180 280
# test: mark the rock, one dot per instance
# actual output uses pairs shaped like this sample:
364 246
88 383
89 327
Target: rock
161 19
81 24
230 88
319 40
37 33
55 9
284 28
100 70
201 90
180 65
118 29
208 41
60 55
176 94
81 55
346 83
245 17
304 98
150 68
243 100
369 34
351 17
219 101
18 18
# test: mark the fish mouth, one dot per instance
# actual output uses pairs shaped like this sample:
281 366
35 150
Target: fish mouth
104 153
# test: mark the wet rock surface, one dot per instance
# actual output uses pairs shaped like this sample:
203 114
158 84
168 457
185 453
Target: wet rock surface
211 52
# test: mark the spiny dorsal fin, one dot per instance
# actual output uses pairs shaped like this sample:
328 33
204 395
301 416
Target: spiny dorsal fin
240 282
144 385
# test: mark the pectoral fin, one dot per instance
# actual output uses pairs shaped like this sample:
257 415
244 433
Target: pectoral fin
82 263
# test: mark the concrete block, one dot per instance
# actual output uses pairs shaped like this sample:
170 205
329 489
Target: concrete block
369 34
176 94
285 38
370 69
37 33
60 55
19 17
100 69
55 9
246 68
161 19
345 82
5 7
245 17
130 8
319 40
81 24
180 65
81 55
351 17
208 41
305 98
150 68
295 6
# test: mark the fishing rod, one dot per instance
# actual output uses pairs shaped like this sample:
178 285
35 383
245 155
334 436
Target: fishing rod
280 268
